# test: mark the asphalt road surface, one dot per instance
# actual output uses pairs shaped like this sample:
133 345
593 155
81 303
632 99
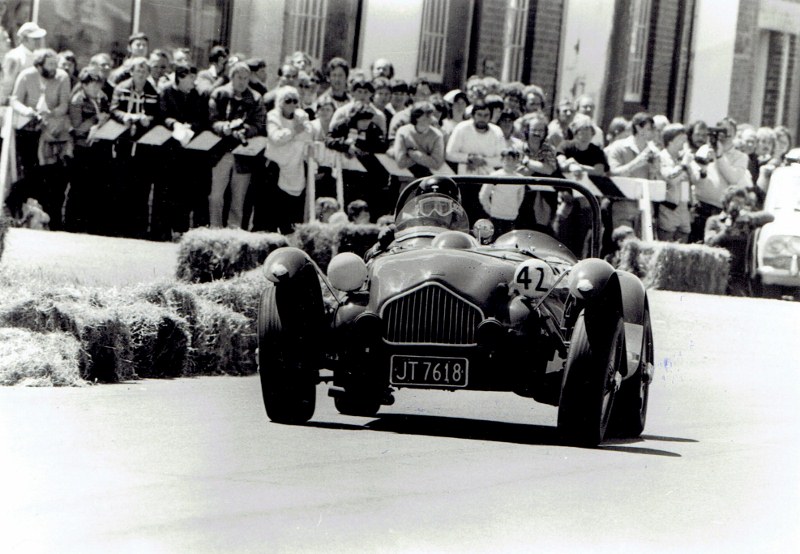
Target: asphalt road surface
192 465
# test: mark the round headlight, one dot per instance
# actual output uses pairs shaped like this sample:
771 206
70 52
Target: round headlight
533 278
347 271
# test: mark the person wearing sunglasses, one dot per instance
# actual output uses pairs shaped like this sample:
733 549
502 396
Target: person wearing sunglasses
288 136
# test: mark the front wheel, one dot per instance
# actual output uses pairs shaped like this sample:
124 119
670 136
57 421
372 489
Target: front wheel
591 378
288 383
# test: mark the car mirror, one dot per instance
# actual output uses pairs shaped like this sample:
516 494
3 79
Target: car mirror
483 230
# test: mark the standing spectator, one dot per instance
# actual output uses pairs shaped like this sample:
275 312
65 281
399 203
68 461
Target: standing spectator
358 212
88 201
69 63
360 137
765 144
301 61
458 102
289 135
361 92
159 68
580 155
659 122
308 85
288 76
135 105
558 129
336 71
476 89
186 181
258 75
382 68
29 38
635 156
419 146
420 91
618 129
382 96
5 40
732 229
325 184
502 202
513 98
236 113
538 207
506 123
534 99
783 143
475 146
674 218
724 166
41 95
138 47
585 105
400 97
212 77
102 61
698 135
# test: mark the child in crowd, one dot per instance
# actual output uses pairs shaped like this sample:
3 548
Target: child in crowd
358 212
502 202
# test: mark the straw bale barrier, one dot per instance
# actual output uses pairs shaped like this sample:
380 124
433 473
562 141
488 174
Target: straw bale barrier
677 267
211 254
36 359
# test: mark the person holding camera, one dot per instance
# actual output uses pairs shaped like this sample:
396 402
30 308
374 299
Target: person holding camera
731 229
236 113
635 156
721 165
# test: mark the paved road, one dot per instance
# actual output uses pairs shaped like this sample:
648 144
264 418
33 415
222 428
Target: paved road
192 464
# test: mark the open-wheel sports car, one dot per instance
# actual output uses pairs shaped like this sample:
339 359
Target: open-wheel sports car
433 306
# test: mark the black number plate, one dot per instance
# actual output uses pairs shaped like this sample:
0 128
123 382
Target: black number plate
430 371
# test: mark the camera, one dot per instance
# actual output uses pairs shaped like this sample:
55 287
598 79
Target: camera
713 135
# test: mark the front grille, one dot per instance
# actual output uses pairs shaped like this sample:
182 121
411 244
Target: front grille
431 314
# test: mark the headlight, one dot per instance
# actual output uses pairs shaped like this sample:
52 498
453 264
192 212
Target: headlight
533 278
347 271
779 250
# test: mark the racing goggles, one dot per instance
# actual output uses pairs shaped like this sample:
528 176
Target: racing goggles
426 207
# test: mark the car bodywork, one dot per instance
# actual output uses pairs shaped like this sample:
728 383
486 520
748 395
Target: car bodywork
776 245
439 309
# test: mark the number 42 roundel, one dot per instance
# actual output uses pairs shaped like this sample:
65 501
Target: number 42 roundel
533 278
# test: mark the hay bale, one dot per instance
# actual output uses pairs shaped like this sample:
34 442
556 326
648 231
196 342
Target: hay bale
635 256
357 238
4 224
318 240
689 268
210 254
34 359
159 340
223 342
106 353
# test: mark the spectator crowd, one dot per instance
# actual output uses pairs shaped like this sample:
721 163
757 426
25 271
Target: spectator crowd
155 146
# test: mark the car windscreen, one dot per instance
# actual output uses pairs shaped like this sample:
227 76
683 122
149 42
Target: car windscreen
433 209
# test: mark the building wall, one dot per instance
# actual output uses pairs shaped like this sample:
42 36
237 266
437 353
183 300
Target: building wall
745 56
661 73
547 46
257 30
491 15
391 29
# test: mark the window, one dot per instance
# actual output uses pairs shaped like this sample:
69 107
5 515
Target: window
637 58
516 28
306 27
777 85
433 39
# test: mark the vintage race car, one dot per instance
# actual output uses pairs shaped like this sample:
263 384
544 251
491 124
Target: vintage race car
776 246
436 307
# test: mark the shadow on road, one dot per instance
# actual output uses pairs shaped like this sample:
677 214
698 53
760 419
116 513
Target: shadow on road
493 431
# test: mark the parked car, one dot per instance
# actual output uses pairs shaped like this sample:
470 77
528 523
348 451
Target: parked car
434 307
776 246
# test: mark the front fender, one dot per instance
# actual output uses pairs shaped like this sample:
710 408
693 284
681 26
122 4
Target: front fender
588 278
285 263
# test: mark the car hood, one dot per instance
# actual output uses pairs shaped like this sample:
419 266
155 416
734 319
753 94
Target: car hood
786 223
470 273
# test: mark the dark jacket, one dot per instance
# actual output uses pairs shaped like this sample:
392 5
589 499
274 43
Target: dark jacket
83 114
127 101
224 106
369 141
191 108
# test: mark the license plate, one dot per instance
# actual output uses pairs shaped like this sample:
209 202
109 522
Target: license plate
431 371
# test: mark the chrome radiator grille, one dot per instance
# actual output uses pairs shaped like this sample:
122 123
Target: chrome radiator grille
431 314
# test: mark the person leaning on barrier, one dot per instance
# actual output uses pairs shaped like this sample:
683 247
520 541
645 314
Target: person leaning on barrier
186 181
30 37
135 105
236 113
732 229
419 146
86 209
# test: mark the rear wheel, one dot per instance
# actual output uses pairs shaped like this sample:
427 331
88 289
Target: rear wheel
285 358
591 379
630 406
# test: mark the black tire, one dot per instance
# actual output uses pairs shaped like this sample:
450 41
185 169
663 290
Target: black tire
361 404
288 374
630 406
597 348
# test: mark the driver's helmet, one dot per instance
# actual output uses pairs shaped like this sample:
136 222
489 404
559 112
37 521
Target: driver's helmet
433 202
